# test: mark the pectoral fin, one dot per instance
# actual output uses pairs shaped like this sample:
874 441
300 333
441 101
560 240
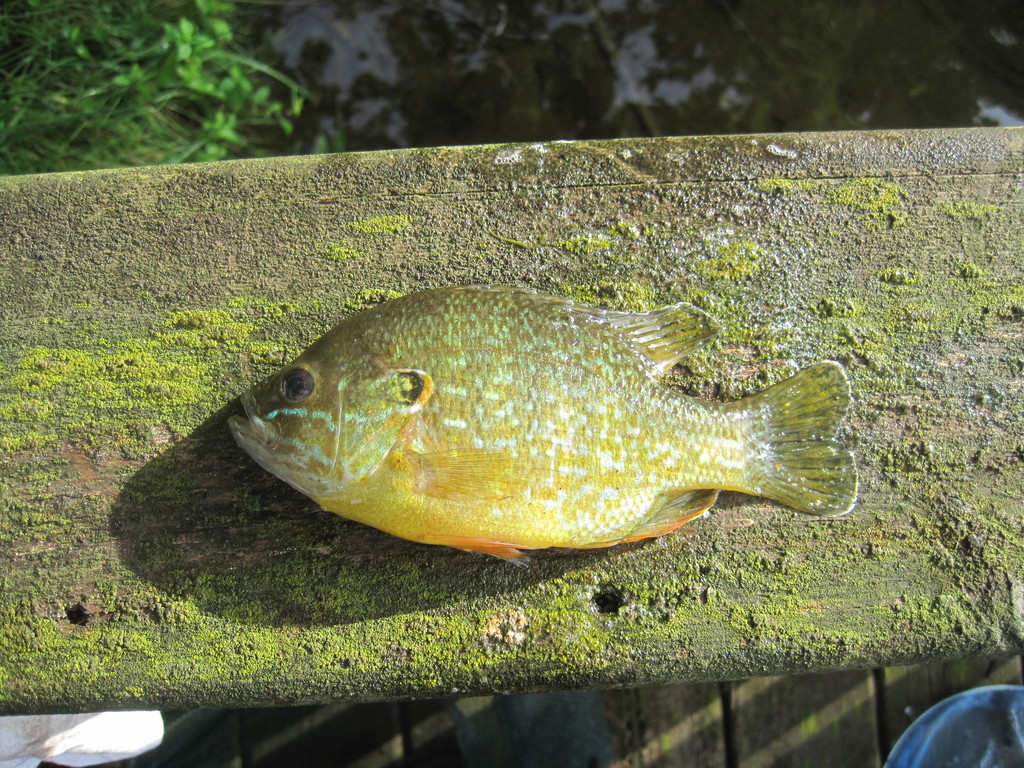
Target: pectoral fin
468 474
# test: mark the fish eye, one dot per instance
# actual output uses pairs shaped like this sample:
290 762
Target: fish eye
296 385
408 386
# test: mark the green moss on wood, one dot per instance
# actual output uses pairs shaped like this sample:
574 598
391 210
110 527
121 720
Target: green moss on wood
342 253
584 245
786 186
733 260
627 230
382 225
880 202
109 391
630 297
967 209
969 270
897 276
836 307
367 298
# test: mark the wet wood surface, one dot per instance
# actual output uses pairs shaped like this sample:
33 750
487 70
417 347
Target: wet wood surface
146 561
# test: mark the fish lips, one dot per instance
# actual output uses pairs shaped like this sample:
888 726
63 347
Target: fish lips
252 430
259 438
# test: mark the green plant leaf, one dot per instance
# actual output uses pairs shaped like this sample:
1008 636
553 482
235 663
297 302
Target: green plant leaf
102 84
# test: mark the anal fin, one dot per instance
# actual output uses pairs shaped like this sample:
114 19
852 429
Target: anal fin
672 511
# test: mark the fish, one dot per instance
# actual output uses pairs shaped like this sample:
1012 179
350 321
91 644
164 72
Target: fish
501 420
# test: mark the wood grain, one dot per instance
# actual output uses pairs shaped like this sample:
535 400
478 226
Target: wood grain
146 561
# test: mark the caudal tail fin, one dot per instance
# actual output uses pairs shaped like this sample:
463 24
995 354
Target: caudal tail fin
797 459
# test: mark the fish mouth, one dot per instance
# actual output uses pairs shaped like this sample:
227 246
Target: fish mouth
252 430
260 438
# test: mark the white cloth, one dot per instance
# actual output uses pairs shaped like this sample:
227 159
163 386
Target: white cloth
77 740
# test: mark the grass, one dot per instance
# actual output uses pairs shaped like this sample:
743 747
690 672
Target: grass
86 84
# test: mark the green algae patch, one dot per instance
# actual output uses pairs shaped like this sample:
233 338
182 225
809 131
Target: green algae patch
367 298
17 440
584 245
115 390
342 253
786 186
969 270
836 307
382 225
917 316
267 311
898 276
100 391
967 209
25 409
618 251
626 296
202 329
627 230
730 261
880 202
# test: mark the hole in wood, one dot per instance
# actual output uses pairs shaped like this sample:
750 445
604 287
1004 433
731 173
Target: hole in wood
610 599
77 614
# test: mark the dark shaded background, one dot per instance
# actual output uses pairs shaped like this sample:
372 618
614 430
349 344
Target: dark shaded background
443 72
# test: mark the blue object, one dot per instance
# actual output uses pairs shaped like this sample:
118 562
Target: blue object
979 728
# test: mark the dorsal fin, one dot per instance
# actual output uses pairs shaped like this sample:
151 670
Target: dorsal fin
662 336
666 335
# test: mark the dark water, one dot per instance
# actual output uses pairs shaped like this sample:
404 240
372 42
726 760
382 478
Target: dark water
435 72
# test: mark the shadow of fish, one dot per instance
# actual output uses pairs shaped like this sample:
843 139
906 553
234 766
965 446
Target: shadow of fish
499 420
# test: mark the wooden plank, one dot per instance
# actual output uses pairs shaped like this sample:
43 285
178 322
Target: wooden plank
147 562
430 735
353 735
805 720
667 726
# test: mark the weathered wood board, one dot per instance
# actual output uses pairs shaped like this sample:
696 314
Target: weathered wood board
147 562
669 726
806 720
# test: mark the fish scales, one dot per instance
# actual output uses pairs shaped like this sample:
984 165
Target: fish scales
498 420
580 426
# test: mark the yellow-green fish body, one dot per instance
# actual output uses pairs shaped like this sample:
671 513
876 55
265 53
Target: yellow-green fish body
499 419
